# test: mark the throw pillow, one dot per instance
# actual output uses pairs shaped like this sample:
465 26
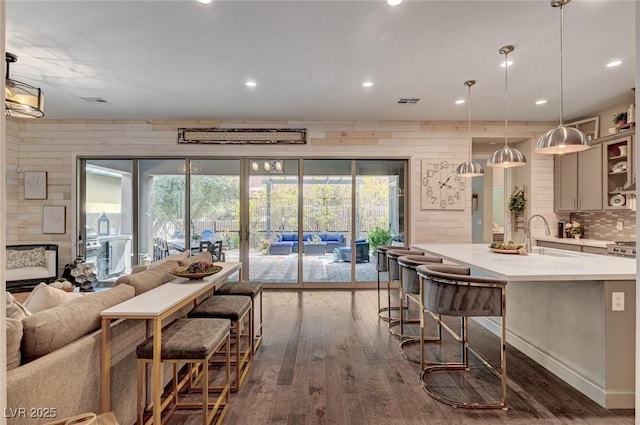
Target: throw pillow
14 339
15 310
44 297
18 259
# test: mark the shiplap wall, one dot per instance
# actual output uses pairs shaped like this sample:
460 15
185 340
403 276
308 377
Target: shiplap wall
53 146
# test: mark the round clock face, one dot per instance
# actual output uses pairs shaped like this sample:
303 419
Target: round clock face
441 189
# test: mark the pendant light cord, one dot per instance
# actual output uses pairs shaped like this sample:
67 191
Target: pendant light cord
506 97
561 74
470 141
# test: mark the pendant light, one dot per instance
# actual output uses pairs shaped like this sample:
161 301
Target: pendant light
469 168
20 99
506 157
562 139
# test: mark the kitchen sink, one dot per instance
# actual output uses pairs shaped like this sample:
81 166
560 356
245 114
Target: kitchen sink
554 252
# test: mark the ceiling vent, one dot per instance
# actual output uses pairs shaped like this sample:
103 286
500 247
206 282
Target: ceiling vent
408 101
93 99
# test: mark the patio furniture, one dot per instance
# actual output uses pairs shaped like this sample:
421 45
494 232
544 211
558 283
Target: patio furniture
362 252
281 248
332 240
311 248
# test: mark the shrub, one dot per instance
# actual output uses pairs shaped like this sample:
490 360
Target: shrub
378 236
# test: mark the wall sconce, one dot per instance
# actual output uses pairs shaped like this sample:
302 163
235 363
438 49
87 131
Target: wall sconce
269 165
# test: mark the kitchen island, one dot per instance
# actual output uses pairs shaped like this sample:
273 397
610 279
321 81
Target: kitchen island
560 313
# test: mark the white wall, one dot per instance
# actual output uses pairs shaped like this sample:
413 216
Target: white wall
53 146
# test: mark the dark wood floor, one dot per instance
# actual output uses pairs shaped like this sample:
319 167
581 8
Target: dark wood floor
326 358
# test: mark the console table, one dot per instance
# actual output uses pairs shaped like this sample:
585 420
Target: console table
156 305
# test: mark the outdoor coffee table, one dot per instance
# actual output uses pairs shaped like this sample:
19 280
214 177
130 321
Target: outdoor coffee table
311 248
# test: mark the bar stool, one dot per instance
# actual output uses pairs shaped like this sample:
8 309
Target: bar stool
237 309
409 290
381 267
191 341
393 275
249 289
451 291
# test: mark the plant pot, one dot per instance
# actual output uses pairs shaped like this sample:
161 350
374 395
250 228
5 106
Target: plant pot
621 123
577 236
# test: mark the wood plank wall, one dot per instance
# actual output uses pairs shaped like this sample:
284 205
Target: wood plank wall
53 146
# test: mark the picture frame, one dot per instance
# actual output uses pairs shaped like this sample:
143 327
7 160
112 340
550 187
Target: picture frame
35 185
54 219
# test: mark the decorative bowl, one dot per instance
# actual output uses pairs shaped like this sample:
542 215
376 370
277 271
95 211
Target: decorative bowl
181 272
505 251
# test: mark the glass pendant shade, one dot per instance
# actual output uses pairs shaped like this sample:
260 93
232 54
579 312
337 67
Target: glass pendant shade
562 140
20 99
469 168
506 157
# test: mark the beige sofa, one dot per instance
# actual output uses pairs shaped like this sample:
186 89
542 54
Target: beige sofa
61 352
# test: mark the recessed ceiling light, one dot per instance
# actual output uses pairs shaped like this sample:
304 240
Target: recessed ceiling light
614 63
541 102
205 1
250 83
394 2
459 101
509 63
367 84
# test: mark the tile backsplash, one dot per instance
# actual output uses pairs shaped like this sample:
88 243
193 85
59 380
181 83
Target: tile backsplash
602 225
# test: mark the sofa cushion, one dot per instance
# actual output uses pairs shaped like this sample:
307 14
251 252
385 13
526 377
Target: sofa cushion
288 237
15 310
14 338
44 297
146 280
335 237
17 259
56 327
172 259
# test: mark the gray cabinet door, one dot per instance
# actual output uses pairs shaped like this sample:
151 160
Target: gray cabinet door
590 179
566 182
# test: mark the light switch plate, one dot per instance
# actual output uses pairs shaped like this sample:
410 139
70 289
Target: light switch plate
617 301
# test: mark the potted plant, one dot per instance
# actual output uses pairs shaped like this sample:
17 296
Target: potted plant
620 119
517 202
378 237
575 229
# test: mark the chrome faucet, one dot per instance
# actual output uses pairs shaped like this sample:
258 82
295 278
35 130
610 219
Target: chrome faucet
528 230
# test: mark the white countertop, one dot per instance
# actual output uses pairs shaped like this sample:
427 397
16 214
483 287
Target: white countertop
162 298
554 265
596 243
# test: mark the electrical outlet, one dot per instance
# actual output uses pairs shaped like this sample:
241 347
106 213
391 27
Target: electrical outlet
619 225
617 301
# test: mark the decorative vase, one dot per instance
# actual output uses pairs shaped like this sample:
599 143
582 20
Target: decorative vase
577 236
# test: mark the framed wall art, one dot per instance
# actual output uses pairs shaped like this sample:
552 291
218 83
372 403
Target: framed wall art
54 219
35 185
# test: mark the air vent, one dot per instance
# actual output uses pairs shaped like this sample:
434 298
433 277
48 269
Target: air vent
408 101
93 99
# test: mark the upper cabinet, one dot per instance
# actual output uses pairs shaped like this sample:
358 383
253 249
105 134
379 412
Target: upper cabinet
600 178
578 181
589 126
617 164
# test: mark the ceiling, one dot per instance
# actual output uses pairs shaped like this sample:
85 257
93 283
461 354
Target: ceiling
186 60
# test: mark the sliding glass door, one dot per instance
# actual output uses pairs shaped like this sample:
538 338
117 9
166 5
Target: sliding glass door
107 217
273 221
291 222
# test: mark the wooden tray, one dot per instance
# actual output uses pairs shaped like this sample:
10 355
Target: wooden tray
196 276
505 251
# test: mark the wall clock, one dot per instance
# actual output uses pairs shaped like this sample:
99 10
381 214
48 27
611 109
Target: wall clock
441 189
